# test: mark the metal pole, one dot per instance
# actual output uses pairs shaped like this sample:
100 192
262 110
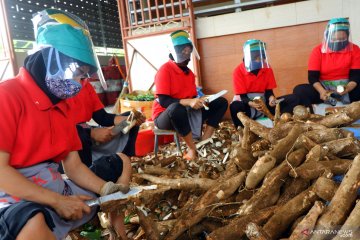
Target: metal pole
194 40
8 45
237 2
155 68
143 56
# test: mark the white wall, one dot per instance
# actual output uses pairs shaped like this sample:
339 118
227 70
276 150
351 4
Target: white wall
281 16
155 49
246 21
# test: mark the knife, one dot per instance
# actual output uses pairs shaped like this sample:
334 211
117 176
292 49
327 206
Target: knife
276 101
212 97
118 195
120 127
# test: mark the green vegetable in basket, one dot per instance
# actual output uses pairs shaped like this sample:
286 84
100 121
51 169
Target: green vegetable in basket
140 97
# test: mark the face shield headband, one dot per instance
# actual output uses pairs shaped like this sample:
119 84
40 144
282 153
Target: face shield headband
181 47
75 40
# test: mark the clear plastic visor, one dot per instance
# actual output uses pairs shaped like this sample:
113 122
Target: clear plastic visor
255 59
42 19
98 74
336 39
184 52
59 66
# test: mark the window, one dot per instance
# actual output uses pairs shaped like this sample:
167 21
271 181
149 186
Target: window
101 16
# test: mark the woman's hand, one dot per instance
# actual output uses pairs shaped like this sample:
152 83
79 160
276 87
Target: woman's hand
101 135
257 106
324 95
272 101
72 207
195 103
348 88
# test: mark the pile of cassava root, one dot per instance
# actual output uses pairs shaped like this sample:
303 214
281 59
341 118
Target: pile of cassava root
277 183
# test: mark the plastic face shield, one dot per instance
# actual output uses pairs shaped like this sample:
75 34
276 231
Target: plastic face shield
255 56
337 37
181 53
63 73
181 47
68 43
62 66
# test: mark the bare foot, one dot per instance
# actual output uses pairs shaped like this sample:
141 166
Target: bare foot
208 132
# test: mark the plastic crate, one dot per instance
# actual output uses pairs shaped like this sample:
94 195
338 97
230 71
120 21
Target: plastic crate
145 142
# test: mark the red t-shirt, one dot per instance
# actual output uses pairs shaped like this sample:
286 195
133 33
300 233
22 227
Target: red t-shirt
85 103
32 129
246 82
171 80
334 65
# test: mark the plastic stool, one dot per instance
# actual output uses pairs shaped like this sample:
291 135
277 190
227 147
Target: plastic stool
159 132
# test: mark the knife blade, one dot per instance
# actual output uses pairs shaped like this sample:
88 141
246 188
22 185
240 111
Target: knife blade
120 127
212 97
118 195
276 101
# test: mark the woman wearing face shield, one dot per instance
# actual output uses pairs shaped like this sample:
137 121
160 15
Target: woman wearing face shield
333 68
38 133
177 107
254 78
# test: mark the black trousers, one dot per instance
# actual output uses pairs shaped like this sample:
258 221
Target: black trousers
85 152
175 116
286 106
308 95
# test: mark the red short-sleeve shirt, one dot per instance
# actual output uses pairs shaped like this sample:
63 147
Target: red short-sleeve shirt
32 129
171 80
334 65
246 82
85 103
